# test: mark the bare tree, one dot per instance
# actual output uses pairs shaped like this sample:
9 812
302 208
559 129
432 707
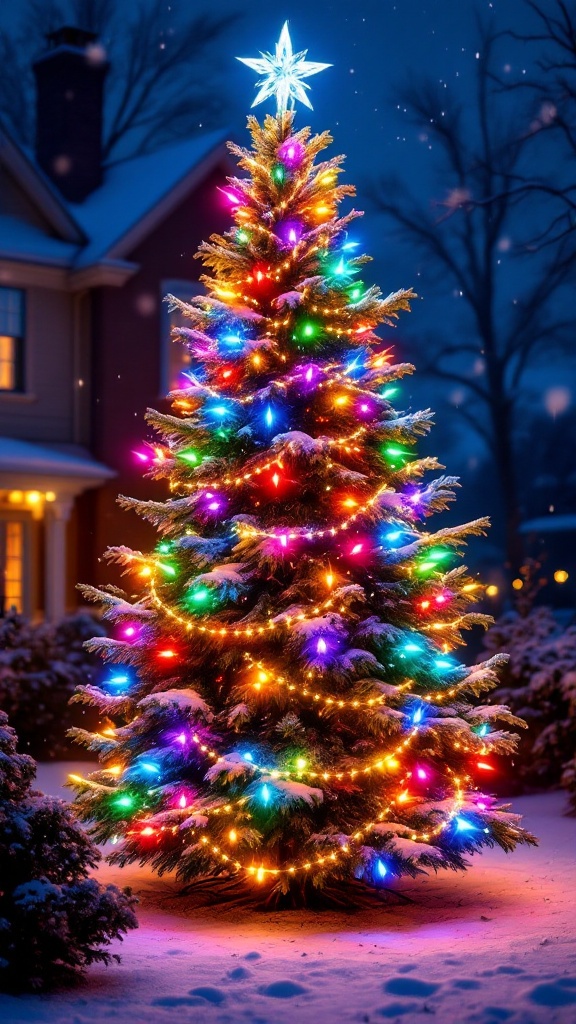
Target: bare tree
551 88
161 63
463 237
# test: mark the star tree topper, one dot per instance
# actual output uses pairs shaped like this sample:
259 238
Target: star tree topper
283 73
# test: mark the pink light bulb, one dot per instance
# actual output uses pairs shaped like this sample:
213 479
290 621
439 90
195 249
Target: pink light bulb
232 197
130 631
141 456
182 801
181 738
440 599
421 773
283 540
356 549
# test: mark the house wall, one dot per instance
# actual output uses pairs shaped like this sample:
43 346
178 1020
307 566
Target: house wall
127 331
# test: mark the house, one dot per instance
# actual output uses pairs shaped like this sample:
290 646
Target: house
87 253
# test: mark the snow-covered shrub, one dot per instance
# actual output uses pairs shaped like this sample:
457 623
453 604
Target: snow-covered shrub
539 685
40 668
54 920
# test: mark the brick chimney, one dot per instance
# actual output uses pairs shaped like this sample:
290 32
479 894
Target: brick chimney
69 88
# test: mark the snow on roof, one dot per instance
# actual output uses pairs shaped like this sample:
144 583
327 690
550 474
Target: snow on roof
550 524
24 457
22 240
132 188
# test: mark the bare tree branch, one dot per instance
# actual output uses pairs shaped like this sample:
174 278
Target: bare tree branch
160 85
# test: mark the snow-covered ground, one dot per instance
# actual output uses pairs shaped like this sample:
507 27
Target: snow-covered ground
497 943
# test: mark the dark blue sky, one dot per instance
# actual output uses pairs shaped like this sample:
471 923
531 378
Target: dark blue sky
374 46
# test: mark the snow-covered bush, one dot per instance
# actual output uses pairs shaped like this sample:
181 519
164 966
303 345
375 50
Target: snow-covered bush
40 668
54 920
539 685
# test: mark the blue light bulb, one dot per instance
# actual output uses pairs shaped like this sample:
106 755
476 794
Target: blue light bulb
381 869
462 825
265 791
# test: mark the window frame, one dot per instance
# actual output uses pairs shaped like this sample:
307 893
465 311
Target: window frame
19 340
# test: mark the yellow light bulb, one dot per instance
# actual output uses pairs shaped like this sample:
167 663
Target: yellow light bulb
492 590
232 835
560 576
517 584
329 579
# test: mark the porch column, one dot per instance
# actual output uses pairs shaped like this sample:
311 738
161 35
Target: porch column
56 515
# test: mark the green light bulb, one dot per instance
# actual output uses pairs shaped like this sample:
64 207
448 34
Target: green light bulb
168 569
189 456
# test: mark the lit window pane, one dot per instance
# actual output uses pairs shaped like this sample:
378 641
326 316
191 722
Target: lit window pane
12 550
7 363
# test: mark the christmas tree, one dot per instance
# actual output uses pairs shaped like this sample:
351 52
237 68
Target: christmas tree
285 706
54 920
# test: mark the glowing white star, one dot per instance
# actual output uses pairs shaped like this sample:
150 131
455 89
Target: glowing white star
283 73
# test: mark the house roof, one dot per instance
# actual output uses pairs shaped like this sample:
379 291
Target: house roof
136 194
23 457
39 187
24 241
115 216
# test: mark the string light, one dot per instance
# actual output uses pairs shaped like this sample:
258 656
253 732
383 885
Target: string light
257 629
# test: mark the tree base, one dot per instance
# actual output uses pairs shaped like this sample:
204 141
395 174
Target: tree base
348 896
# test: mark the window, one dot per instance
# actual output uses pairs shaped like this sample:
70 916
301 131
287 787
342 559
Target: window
11 339
175 358
11 565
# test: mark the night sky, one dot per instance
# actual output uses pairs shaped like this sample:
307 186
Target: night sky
376 46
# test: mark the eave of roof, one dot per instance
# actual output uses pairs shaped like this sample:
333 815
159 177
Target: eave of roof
26 457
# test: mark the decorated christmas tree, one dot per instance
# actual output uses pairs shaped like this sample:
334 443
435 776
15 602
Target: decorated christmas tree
285 706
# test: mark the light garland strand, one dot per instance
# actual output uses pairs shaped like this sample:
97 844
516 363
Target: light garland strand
328 531
257 630
259 872
334 701
262 468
